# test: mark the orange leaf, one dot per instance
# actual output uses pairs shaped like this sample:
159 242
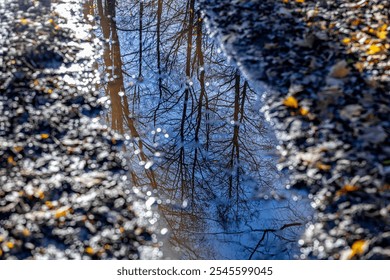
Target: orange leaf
291 102
26 232
11 160
62 212
323 167
10 245
346 189
303 111
89 250
358 248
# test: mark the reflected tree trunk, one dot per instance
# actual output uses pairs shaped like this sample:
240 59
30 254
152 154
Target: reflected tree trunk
158 51
201 78
190 12
120 111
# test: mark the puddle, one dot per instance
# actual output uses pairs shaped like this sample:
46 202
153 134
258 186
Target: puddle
195 137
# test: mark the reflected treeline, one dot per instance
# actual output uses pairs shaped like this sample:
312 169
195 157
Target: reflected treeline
196 135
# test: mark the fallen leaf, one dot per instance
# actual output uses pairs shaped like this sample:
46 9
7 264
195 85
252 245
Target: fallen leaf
339 70
24 21
381 35
40 194
346 189
26 232
373 49
11 160
18 149
291 102
323 167
358 248
347 40
10 245
49 204
303 111
62 212
89 250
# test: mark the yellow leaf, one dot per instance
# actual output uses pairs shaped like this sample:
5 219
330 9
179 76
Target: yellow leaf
40 194
358 248
300 1
24 21
62 212
10 245
49 204
89 250
347 40
381 35
374 49
304 111
383 27
44 135
291 102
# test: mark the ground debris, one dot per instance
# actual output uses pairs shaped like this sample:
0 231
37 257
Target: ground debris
61 171
338 146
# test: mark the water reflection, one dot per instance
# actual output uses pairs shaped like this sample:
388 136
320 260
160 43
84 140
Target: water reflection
197 138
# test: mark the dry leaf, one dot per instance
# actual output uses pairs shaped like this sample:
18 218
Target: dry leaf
346 189
62 212
358 248
24 21
11 160
347 40
26 232
89 251
373 49
323 167
291 102
303 111
339 70
10 245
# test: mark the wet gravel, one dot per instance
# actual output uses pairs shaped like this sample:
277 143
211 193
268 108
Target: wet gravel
325 65
63 187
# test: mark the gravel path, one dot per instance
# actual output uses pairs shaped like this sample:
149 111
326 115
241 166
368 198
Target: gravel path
326 68
63 187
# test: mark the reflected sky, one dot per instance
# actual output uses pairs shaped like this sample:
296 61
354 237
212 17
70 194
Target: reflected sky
195 136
